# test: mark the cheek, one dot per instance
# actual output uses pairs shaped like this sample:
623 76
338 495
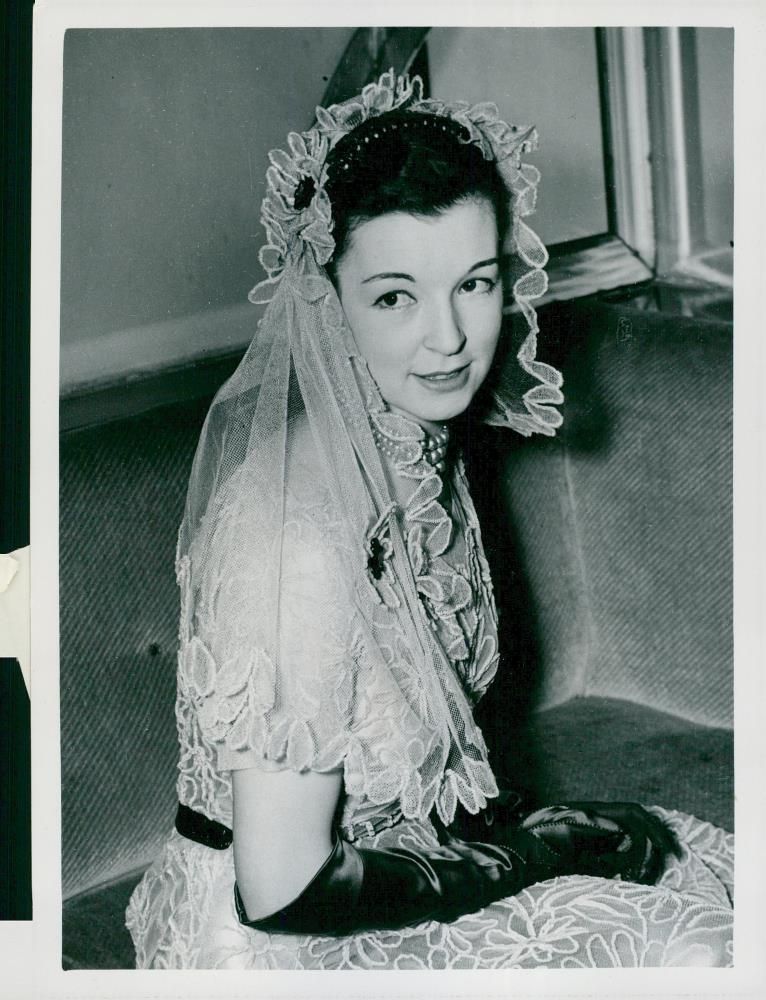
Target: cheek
377 342
361 331
487 330
390 356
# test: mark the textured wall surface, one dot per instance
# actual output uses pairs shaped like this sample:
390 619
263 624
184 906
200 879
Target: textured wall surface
546 77
715 60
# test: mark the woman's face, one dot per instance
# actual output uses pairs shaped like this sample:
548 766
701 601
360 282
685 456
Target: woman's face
424 301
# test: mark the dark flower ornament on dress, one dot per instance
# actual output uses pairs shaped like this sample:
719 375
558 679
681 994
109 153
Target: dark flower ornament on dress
379 549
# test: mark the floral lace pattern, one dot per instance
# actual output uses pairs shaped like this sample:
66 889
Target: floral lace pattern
182 916
456 591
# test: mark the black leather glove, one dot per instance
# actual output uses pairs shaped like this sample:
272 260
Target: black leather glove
373 889
610 839
499 818
365 888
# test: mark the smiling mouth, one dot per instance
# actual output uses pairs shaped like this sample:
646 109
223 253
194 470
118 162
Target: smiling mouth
452 376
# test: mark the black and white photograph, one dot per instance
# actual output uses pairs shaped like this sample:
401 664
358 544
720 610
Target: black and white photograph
395 503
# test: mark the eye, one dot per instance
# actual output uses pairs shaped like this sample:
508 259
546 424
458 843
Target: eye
393 300
480 285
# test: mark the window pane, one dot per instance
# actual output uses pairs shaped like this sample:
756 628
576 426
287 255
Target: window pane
545 77
715 61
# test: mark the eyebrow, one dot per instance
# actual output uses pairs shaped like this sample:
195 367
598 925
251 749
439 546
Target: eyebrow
400 275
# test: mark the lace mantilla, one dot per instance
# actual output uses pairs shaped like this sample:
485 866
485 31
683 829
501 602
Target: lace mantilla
333 618
297 216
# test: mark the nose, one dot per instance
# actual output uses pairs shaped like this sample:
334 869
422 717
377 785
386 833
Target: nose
444 333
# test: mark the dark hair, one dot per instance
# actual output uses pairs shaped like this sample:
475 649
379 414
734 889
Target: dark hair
407 161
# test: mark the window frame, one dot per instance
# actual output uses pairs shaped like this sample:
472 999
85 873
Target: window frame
625 254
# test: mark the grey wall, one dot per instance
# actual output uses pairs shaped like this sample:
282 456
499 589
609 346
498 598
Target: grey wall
165 143
537 76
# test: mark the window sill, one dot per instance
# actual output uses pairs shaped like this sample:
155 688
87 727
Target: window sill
589 267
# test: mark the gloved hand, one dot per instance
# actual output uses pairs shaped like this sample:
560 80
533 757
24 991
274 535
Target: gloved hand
372 888
501 815
610 839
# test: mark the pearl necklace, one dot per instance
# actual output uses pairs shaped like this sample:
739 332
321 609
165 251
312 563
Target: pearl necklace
434 447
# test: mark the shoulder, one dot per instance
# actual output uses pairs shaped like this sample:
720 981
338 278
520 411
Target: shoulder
315 536
309 498
279 511
277 469
303 462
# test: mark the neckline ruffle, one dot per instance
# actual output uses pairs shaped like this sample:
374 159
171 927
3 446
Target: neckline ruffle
455 594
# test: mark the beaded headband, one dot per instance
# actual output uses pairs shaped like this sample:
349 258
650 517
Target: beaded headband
353 147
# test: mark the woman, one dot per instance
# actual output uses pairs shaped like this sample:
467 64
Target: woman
337 620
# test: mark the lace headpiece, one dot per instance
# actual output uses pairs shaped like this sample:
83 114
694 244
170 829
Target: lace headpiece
304 575
297 213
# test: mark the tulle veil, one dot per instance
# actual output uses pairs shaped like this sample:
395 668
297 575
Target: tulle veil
302 375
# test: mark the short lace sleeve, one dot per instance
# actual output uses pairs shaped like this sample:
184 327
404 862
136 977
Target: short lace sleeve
273 685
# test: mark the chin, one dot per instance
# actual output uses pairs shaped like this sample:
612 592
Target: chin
444 414
442 411
448 407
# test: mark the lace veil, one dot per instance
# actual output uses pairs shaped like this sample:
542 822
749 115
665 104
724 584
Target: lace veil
302 397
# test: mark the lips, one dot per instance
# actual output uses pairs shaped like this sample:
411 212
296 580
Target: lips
443 376
451 381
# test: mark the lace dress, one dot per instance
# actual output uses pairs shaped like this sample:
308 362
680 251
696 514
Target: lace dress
182 914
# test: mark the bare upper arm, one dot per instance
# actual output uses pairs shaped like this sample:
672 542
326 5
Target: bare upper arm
282 833
282 820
